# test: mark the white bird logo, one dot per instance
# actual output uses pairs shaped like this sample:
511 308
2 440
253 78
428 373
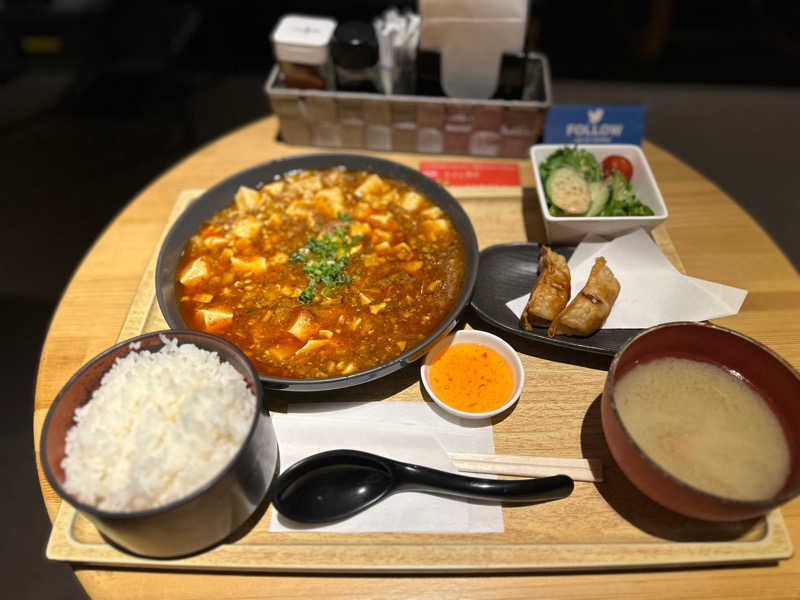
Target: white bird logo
595 116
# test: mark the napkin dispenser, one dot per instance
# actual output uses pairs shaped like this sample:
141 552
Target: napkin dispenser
451 28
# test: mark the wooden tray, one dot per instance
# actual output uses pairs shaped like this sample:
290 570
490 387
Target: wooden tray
600 526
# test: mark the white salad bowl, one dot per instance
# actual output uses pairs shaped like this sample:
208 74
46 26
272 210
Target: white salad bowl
570 230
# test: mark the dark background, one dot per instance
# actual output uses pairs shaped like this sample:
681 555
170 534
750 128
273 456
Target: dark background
99 97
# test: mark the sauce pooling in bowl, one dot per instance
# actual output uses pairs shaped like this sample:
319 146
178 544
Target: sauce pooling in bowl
471 378
704 426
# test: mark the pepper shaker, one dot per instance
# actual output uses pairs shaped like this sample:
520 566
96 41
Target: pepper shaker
354 50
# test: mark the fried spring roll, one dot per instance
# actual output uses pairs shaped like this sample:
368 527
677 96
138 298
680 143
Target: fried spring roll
550 293
587 311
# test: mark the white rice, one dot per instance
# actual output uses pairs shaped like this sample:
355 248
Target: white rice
161 425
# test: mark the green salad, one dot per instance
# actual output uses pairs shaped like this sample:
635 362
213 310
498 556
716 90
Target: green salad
575 184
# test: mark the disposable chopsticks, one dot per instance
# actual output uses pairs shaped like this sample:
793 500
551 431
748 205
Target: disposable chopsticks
580 469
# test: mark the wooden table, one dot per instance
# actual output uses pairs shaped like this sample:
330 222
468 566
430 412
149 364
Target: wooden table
713 236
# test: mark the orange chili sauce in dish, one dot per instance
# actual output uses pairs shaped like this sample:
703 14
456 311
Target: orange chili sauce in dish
471 378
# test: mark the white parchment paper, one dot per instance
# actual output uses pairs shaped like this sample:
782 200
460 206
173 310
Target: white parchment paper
652 290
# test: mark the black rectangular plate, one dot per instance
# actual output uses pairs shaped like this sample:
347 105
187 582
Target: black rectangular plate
507 271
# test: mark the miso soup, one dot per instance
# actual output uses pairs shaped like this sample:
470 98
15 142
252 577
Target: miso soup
704 426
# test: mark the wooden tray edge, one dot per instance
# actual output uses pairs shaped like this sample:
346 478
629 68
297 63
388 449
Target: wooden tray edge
461 557
439 558
136 317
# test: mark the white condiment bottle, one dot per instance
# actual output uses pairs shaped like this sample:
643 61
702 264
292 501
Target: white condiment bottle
301 48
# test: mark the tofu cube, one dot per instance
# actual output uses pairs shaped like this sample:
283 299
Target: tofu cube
382 235
412 266
411 201
383 220
360 228
371 185
303 326
247 227
434 212
312 183
254 265
298 208
281 351
216 320
214 241
361 211
194 273
436 229
275 188
247 199
330 201
370 260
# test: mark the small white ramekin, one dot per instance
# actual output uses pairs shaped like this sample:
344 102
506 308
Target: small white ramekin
484 338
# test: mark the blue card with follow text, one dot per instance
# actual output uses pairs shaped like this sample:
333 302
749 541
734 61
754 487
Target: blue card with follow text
594 124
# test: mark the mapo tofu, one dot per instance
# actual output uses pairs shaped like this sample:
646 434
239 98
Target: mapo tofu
322 273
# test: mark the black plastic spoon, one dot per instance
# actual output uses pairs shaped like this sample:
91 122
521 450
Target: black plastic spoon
334 485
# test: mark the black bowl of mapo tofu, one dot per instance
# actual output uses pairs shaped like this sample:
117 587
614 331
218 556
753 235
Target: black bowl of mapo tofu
327 270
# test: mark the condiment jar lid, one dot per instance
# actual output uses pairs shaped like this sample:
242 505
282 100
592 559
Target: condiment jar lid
303 40
354 46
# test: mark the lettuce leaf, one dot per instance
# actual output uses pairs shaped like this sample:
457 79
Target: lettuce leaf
582 160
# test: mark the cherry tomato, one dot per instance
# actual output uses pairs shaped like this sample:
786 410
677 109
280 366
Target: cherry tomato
620 163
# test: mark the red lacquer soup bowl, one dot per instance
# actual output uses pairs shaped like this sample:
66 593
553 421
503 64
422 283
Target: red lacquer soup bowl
771 376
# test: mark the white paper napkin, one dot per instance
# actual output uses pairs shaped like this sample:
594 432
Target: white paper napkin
652 290
408 431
